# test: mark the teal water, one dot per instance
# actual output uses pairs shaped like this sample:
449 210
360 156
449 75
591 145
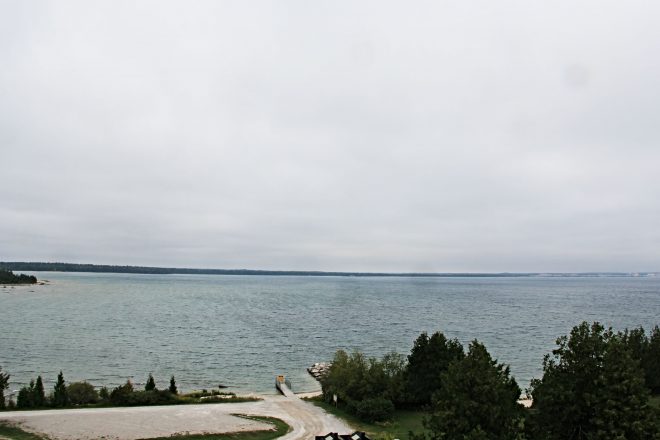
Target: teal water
241 331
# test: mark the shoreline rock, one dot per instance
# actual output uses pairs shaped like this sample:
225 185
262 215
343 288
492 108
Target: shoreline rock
319 369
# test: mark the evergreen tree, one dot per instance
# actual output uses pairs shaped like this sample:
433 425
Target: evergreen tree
173 388
621 409
24 397
104 394
636 342
651 362
60 395
428 359
591 388
122 394
151 384
4 384
38 393
478 400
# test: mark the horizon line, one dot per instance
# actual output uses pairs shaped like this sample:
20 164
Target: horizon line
57 266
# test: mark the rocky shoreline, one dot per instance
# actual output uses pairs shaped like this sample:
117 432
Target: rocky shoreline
319 369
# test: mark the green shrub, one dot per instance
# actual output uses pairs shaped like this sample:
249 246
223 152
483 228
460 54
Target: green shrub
104 394
375 410
32 396
152 397
120 394
82 393
125 395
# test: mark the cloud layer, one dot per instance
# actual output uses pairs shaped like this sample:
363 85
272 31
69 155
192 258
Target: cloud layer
385 136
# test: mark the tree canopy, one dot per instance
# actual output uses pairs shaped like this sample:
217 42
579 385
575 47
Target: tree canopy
4 383
428 359
151 383
478 400
60 394
8 277
592 388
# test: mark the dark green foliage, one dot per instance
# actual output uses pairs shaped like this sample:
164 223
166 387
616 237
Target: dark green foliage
120 394
4 383
8 277
82 393
145 398
478 400
377 409
428 359
172 389
32 396
651 362
151 383
60 395
104 394
99 268
621 410
592 388
125 395
38 393
355 379
24 398
645 350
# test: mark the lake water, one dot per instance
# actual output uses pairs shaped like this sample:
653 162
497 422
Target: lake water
241 331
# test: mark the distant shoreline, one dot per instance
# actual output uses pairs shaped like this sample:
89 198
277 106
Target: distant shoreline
102 268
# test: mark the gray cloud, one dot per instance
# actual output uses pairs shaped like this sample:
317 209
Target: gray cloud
440 136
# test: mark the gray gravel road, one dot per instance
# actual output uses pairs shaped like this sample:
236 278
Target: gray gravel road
306 419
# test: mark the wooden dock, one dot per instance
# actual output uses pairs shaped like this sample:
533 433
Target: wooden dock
284 386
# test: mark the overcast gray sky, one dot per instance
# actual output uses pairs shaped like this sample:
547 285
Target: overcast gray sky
332 135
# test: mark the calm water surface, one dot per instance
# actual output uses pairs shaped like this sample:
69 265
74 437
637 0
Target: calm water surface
243 330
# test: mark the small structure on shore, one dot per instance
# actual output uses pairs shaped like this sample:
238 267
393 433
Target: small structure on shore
319 369
284 386
357 435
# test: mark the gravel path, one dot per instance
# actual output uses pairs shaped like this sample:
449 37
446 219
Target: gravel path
306 419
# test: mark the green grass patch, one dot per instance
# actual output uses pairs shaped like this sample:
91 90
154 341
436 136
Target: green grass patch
401 424
15 433
654 401
281 428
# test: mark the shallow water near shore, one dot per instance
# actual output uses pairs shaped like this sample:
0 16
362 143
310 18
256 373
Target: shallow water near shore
241 331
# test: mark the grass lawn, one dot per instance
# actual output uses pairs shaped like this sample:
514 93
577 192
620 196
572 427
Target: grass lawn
14 433
398 427
281 428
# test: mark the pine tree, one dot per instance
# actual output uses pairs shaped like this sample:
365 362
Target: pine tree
172 388
592 388
104 394
478 400
4 383
428 359
621 409
24 398
38 393
151 383
651 362
60 395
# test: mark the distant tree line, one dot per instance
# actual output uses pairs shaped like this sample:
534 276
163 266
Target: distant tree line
596 385
104 268
8 277
84 393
